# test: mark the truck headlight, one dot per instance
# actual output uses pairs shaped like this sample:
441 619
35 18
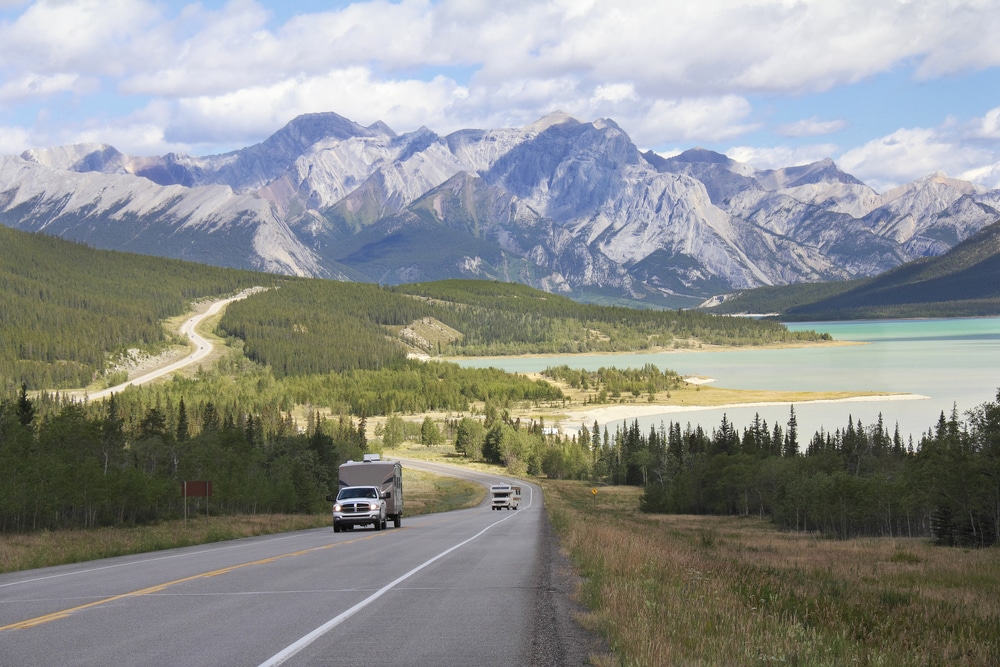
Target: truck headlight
373 506
336 508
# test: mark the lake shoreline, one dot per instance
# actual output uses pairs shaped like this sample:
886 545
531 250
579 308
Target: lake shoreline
701 347
584 417
942 366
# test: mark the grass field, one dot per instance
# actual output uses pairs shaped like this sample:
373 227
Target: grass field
683 590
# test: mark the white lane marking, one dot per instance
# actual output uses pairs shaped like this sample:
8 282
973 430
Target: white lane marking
308 639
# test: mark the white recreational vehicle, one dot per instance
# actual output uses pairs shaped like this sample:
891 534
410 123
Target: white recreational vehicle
372 473
505 495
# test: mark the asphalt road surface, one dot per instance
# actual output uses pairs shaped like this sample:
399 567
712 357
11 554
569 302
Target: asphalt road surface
469 587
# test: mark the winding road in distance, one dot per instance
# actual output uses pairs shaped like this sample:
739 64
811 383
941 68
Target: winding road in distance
202 348
467 587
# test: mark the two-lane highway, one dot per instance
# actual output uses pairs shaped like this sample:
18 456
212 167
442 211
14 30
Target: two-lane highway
458 588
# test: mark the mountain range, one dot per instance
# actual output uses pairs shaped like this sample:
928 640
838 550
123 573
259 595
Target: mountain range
963 282
567 206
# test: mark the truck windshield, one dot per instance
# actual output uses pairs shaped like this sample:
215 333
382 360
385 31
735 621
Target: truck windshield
358 493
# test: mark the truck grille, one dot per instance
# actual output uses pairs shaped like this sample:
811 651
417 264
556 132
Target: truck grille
354 507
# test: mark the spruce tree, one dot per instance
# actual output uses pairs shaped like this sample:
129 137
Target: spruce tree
183 432
791 447
25 409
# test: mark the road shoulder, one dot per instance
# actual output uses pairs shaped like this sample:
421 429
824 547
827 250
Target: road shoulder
558 639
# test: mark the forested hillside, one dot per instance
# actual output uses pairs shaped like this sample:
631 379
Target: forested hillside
507 318
315 326
67 309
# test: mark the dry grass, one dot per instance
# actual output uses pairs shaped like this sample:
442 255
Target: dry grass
681 590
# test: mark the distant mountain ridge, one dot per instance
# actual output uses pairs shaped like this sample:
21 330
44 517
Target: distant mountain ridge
964 282
569 206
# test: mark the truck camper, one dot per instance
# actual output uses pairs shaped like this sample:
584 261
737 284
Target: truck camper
384 476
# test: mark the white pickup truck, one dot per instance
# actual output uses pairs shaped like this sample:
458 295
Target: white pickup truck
505 495
359 506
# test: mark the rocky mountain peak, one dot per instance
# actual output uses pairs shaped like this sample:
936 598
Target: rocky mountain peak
547 121
378 127
703 161
558 202
78 157
308 129
702 155
824 171
937 181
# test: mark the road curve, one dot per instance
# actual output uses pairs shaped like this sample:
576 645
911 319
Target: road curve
468 587
202 347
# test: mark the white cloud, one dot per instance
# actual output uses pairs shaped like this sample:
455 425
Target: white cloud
708 119
715 47
954 36
89 37
988 175
353 93
812 127
969 150
909 154
615 93
31 86
667 50
987 127
13 140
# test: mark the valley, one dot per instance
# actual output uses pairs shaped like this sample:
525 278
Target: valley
576 410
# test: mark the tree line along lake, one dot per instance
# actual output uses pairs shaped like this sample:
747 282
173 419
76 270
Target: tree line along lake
941 363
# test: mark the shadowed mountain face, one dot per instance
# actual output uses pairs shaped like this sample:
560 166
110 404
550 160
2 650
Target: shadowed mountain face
560 204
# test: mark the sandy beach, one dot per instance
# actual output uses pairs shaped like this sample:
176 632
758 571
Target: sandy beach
608 414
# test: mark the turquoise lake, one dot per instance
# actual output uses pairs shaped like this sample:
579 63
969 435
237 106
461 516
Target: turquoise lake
948 362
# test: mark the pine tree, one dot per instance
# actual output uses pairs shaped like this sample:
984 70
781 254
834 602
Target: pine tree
183 433
25 409
791 447
210 418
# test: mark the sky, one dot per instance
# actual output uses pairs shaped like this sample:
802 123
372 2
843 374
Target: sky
892 90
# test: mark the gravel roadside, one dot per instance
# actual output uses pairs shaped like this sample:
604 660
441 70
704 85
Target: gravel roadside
558 640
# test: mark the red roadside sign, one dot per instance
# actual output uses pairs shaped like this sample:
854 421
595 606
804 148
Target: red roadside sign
200 489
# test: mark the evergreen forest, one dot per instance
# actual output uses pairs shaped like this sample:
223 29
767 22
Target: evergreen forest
854 481
68 312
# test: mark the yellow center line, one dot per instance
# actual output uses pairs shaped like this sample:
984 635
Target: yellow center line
54 616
